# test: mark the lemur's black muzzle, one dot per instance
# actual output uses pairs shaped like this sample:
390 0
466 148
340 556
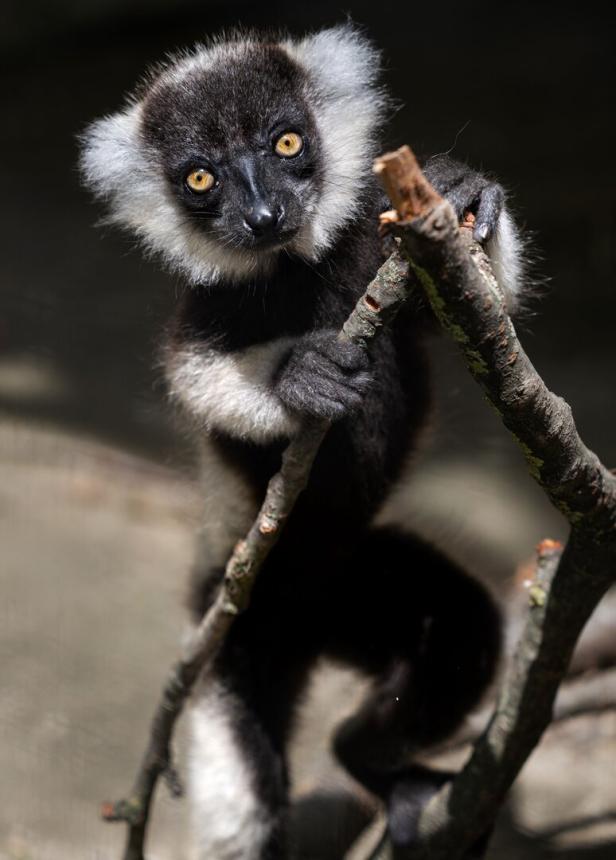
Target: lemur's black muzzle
263 216
263 219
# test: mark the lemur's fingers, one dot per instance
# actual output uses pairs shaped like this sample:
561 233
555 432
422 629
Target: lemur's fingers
331 374
324 376
332 408
321 390
324 401
489 208
346 355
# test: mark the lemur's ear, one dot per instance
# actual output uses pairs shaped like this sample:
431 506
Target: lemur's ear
340 60
112 156
118 165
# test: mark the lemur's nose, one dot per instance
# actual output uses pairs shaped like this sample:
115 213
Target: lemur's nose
262 218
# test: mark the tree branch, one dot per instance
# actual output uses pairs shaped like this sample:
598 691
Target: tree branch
376 308
454 275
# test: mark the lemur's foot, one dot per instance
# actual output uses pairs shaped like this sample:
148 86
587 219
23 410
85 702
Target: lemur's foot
410 792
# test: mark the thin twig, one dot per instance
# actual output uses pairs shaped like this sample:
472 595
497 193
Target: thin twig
375 309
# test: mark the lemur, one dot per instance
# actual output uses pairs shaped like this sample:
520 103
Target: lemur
246 165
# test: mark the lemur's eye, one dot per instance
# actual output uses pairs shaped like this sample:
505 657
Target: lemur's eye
200 180
288 145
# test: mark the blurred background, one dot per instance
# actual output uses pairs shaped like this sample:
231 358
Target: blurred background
97 497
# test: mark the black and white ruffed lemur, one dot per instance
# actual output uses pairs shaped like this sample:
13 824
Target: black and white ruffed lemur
246 164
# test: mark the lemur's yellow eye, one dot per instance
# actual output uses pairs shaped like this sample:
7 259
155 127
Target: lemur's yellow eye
200 180
288 145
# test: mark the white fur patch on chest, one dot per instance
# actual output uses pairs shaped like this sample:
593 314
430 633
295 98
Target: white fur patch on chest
232 392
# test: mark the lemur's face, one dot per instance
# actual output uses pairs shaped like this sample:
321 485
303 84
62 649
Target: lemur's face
240 150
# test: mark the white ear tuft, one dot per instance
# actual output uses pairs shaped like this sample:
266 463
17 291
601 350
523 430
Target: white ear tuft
111 152
341 60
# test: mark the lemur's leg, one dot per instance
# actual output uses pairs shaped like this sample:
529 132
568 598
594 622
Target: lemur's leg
430 635
241 720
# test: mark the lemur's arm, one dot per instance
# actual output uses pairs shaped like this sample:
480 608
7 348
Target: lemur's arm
259 393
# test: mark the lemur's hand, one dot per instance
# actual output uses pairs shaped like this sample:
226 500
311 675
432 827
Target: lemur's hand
324 377
467 190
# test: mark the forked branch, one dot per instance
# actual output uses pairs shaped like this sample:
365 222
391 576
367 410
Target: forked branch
453 272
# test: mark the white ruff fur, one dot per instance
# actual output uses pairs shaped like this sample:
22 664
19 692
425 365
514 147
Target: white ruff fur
341 72
232 391
228 822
